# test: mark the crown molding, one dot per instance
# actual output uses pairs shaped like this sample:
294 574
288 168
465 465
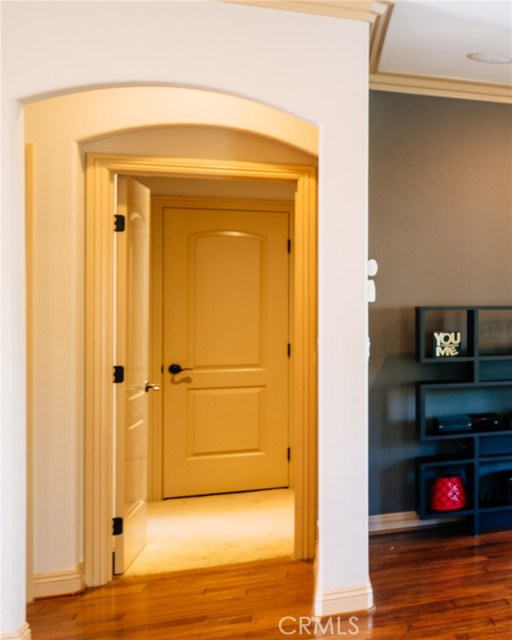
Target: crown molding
440 87
364 10
378 15
421 84
378 32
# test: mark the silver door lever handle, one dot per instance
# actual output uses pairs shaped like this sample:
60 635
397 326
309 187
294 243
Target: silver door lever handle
151 387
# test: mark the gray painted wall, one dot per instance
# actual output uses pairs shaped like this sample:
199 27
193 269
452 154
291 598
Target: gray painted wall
441 231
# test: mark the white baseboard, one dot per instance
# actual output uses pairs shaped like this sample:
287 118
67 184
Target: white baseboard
402 521
334 601
23 633
351 599
58 583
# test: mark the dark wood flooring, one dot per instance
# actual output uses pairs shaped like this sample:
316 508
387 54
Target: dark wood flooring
427 585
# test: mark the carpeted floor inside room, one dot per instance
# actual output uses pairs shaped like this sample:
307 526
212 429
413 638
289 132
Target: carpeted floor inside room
206 531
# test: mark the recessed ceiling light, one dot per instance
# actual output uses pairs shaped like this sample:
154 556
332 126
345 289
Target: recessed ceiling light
490 58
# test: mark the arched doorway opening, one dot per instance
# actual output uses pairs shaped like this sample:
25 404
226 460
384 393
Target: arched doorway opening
188 106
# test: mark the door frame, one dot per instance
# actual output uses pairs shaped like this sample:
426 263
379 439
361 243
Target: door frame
101 170
156 372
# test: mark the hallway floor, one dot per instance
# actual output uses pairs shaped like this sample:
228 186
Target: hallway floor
206 531
428 586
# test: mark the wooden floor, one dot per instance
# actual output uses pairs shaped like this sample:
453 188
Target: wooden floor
428 585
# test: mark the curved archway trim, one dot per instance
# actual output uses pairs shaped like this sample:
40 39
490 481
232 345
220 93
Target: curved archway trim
92 114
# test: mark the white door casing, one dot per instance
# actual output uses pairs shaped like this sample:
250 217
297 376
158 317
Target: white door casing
101 169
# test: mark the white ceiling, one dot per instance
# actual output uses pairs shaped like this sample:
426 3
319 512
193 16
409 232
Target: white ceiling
421 46
434 37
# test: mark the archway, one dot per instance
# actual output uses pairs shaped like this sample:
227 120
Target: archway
58 172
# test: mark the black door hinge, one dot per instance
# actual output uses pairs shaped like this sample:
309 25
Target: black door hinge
289 246
289 349
118 374
117 526
288 454
119 222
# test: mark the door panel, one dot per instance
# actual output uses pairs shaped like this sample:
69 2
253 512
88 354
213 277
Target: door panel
225 420
132 247
224 303
226 317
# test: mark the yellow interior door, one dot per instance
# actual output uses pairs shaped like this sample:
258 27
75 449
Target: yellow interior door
132 305
226 306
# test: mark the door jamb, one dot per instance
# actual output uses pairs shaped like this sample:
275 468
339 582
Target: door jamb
99 335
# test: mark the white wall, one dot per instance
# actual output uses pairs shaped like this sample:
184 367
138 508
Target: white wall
309 66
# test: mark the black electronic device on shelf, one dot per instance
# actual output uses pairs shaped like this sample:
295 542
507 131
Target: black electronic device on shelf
452 424
485 421
466 412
